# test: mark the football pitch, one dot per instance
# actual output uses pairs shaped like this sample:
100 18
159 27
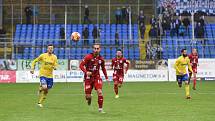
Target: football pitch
142 101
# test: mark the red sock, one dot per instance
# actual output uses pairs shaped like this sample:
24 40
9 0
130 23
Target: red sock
116 89
194 82
100 101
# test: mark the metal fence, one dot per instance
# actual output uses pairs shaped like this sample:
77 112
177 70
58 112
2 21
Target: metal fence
99 14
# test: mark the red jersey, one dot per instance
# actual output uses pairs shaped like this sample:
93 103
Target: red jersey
193 59
93 64
118 65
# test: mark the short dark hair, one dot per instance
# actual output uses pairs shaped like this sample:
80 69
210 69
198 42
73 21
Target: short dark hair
96 44
183 50
119 50
50 45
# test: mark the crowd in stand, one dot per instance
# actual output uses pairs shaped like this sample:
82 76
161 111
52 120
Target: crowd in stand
169 23
122 14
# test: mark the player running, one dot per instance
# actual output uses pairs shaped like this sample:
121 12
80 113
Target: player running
90 65
48 64
181 74
194 63
118 74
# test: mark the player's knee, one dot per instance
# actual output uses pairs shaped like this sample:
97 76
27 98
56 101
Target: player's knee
99 92
115 83
88 96
186 82
45 90
44 87
194 75
119 85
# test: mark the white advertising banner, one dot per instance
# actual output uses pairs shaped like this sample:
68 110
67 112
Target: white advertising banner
205 69
27 77
77 76
74 76
146 75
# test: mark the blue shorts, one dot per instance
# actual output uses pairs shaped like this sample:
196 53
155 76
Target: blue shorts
181 78
46 81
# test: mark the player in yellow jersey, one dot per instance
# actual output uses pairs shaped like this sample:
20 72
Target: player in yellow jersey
181 73
48 63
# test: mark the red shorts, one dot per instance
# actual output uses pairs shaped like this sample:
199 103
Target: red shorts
90 83
194 69
118 78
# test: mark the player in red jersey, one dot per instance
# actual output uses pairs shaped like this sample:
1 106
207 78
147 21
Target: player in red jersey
194 63
90 65
118 74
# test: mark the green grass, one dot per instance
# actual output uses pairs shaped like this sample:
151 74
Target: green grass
158 101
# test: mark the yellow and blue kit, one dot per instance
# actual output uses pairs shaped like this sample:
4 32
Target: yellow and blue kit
48 64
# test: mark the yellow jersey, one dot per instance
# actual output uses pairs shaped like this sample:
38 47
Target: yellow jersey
181 64
48 64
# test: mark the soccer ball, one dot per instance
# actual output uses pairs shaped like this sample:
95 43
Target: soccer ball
75 36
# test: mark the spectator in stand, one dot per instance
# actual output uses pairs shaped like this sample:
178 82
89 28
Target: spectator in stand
85 34
142 30
167 21
86 15
182 30
28 13
118 15
117 38
186 23
177 25
197 17
160 9
141 18
62 37
153 32
199 31
153 20
172 28
123 10
202 21
128 10
165 27
148 50
96 34
159 51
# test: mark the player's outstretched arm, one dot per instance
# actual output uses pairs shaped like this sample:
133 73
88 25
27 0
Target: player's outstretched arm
112 63
55 64
81 66
34 63
83 63
105 71
127 66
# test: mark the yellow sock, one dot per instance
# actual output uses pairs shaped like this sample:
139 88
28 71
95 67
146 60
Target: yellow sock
42 97
187 89
40 89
